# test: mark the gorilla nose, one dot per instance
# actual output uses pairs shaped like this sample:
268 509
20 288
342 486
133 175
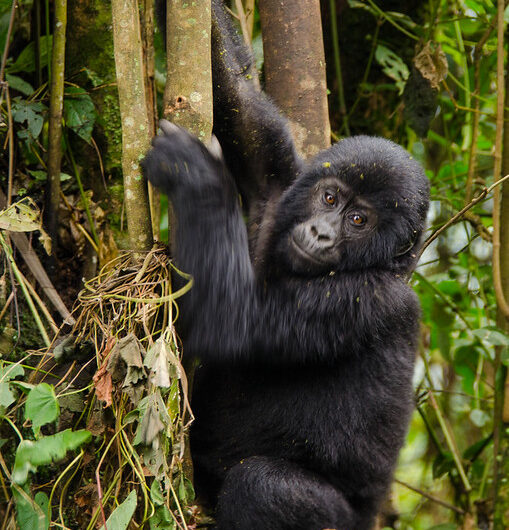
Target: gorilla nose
322 234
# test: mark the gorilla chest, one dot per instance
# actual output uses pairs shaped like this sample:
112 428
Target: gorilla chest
304 413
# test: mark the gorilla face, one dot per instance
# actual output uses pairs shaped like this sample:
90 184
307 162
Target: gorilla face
360 204
337 219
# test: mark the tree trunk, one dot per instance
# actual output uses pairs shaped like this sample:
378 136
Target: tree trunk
295 69
188 95
188 92
135 124
147 32
55 122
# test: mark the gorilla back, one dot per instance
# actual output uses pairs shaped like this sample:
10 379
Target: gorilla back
306 337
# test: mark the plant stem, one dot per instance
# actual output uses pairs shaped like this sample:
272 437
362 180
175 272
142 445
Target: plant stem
52 195
28 298
337 65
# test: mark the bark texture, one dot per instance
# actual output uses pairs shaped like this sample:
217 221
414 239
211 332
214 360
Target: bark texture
147 33
188 92
135 124
295 69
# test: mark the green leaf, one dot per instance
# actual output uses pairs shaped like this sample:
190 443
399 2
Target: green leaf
79 112
41 406
401 18
356 4
19 84
156 494
29 112
475 448
162 519
444 526
7 373
31 514
30 455
185 490
442 465
38 174
393 66
6 396
10 371
492 336
122 514
22 216
26 59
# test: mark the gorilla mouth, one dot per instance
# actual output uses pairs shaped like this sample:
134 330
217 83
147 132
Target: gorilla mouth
302 253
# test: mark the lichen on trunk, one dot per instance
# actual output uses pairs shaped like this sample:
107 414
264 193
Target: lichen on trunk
135 124
188 93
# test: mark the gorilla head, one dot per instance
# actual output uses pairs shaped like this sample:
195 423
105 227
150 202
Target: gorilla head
360 204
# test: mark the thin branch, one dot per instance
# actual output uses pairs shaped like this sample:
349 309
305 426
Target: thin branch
497 278
337 66
431 497
502 305
391 21
8 39
449 440
241 15
482 195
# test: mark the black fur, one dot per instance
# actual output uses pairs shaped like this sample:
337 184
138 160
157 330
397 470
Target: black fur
304 391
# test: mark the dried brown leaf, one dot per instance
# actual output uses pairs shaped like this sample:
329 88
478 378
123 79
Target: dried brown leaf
103 385
432 64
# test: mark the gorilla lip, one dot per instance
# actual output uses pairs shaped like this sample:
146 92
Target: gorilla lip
305 253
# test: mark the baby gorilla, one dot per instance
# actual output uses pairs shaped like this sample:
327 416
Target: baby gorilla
304 392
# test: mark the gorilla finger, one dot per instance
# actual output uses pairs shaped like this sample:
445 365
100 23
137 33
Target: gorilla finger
168 127
214 148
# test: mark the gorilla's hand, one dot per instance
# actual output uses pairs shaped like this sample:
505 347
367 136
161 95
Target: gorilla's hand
178 160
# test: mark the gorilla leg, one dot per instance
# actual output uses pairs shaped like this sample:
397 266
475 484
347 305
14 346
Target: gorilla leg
273 494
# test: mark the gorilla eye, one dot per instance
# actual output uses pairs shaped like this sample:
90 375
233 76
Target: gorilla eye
330 198
358 219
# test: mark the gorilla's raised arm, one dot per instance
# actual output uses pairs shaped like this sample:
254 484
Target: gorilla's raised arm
256 141
303 311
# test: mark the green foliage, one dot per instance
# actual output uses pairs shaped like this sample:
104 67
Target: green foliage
393 66
26 61
33 514
41 406
29 113
8 372
79 112
121 515
32 454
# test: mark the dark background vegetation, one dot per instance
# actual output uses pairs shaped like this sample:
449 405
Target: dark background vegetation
423 74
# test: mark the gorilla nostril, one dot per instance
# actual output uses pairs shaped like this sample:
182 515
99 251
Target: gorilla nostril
323 238
314 231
